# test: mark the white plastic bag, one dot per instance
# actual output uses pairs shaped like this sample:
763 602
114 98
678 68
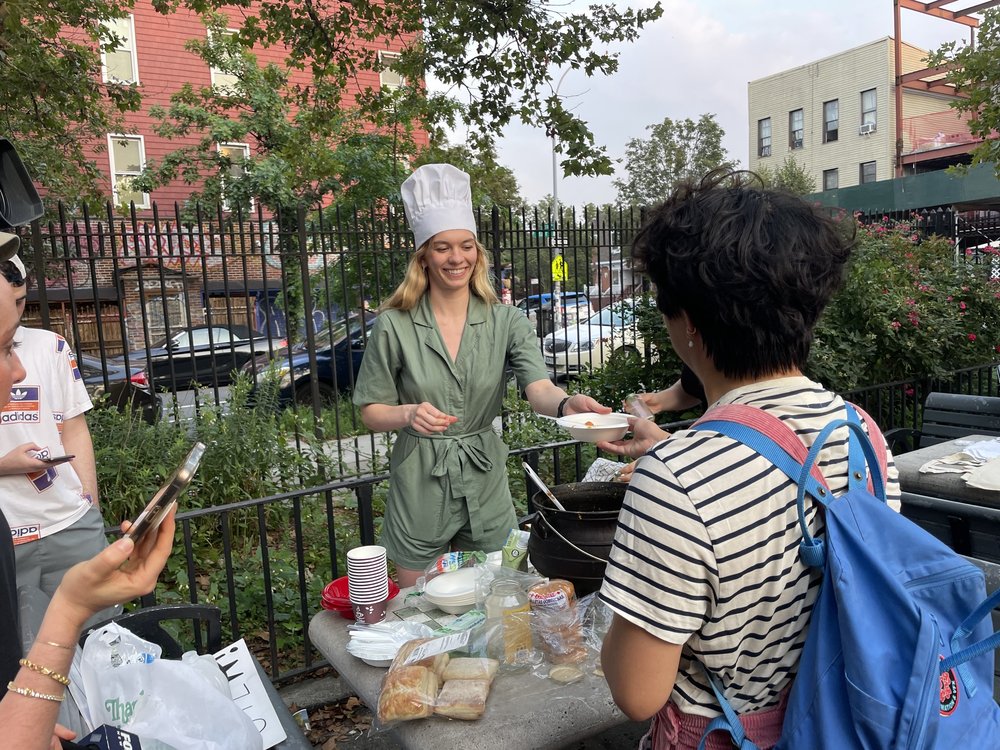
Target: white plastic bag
127 685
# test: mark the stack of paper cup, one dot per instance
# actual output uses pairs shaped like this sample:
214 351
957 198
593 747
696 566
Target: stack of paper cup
368 582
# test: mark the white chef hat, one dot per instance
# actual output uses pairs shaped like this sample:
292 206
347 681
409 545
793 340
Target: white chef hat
436 198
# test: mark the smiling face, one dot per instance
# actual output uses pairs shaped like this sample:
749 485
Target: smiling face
11 370
450 260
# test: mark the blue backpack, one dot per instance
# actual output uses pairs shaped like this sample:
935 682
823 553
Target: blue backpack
899 651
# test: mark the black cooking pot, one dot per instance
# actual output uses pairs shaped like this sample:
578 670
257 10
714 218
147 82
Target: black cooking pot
575 543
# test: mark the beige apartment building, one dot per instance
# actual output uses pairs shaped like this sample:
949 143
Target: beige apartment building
837 118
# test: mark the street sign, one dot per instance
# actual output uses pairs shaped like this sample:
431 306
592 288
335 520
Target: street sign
558 269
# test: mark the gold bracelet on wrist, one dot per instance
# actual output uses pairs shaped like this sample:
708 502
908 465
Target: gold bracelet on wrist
29 693
50 673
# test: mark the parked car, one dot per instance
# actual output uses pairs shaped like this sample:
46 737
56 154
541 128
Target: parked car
608 335
206 355
574 306
119 384
339 350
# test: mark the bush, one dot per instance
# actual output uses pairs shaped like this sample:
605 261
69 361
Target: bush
909 309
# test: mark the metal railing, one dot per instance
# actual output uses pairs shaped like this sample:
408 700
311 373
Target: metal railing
288 521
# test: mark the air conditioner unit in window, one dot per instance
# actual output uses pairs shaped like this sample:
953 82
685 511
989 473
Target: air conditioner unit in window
765 150
867 129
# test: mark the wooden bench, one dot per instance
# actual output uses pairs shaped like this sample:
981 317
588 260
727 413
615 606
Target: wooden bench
947 416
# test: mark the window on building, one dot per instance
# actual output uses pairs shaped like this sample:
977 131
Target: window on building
867 172
127 154
796 129
237 153
224 81
869 111
764 137
163 310
831 179
119 65
831 120
388 77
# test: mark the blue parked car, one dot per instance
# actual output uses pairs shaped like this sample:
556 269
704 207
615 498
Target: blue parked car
575 306
339 349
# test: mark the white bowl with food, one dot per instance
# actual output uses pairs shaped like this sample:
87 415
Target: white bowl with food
591 427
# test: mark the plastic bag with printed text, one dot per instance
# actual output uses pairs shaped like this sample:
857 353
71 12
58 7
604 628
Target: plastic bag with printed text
128 685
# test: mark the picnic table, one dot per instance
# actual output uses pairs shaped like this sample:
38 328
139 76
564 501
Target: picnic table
964 517
523 710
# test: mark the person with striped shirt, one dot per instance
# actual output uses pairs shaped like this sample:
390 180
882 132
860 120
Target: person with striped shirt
705 569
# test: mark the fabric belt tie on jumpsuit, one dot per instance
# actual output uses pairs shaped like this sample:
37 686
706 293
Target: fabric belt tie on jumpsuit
448 453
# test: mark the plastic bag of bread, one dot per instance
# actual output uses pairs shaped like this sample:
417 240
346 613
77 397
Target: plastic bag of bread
470 668
463 699
556 621
420 668
435 662
408 693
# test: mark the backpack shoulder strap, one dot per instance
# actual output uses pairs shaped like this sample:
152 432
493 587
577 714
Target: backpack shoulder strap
769 436
877 440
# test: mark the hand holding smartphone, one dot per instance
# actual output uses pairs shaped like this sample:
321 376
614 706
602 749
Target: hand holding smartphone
166 496
55 460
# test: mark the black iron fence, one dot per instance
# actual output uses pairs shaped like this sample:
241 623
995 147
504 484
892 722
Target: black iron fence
187 299
183 301
305 532
116 286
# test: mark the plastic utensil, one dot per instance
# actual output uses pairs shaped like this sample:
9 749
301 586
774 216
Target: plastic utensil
542 486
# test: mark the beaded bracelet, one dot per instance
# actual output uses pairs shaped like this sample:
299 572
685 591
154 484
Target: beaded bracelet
29 693
60 678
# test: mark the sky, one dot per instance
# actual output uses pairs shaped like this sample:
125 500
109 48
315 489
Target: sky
698 58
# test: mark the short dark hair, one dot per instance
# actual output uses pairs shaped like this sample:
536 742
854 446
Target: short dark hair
752 267
12 273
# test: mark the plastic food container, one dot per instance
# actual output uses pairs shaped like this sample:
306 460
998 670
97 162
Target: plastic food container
453 592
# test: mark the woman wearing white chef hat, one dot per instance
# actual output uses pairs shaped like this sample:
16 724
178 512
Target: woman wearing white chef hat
434 371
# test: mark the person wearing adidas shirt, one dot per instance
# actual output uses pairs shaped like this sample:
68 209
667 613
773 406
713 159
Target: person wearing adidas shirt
52 509
704 570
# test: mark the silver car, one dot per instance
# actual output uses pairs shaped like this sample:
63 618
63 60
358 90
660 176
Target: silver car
608 335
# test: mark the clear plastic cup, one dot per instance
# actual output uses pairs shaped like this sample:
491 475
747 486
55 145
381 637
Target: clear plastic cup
637 407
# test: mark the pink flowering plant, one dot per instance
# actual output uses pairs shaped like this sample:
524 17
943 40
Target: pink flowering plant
910 307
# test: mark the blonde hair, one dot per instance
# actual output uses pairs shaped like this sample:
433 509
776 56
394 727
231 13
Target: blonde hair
414 285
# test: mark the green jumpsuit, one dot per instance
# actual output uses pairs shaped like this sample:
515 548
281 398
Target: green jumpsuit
447 489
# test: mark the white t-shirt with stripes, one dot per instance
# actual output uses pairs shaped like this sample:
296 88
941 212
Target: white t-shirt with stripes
706 551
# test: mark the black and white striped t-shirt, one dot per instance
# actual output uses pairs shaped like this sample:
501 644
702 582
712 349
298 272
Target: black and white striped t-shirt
706 551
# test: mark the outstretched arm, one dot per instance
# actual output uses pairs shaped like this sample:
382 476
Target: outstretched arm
117 574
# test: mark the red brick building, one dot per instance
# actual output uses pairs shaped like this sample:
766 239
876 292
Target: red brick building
154 56
109 286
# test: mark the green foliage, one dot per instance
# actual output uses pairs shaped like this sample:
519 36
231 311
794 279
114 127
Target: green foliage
977 76
305 150
250 453
314 140
53 104
908 309
676 150
790 177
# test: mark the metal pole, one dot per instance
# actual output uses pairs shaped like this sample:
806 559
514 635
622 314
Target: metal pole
557 318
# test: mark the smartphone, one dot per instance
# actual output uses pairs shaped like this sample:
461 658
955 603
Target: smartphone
166 496
53 460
